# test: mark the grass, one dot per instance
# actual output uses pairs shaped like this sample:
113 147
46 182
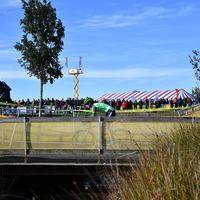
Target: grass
172 171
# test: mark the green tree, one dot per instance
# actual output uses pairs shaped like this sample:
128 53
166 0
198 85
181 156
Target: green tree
195 61
41 43
196 93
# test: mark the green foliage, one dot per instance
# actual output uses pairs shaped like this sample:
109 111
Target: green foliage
195 61
196 93
42 42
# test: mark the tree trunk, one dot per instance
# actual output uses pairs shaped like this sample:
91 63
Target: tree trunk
41 93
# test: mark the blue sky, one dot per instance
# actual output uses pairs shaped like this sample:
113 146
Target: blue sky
126 45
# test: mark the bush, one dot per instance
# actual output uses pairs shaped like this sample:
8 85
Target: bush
171 171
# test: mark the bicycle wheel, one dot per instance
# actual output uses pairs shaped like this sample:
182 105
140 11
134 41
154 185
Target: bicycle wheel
122 139
83 140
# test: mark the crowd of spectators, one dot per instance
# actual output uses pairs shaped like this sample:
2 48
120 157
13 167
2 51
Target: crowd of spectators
72 103
69 103
148 103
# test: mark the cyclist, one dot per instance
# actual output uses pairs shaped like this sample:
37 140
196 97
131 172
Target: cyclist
99 107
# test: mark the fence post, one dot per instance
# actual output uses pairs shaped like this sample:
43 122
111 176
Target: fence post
25 142
74 113
193 121
99 141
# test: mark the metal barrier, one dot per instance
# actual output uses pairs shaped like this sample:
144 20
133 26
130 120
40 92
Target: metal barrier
188 110
58 134
13 111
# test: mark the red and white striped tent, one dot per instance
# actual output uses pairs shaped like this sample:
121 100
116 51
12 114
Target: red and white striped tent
167 94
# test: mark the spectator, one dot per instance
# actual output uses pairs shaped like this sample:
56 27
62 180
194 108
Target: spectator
71 103
48 102
27 103
66 104
158 103
112 103
53 101
5 95
124 104
163 102
105 101
23 102
15 107
176 103
36 102
146 103
130 104
185 102
171 103
1 87
135 103
118 104
180 102
56 104
195 102
60 104
140 104
151 103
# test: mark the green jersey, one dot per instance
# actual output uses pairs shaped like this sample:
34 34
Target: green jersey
101 107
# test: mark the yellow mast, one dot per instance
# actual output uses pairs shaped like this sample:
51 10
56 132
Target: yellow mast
75 72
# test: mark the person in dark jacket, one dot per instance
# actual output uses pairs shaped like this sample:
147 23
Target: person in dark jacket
5 95
1 87
176 103
146 103
171 103
185 101
112 103
140 104
130 104
56 104
180 102
163 102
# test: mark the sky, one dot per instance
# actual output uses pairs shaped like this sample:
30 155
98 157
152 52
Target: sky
126 45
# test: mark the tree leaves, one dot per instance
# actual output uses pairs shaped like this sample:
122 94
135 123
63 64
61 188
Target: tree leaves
42 42
195 61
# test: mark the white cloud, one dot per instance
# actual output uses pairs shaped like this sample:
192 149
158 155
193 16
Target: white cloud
11 3
11 54
166 51
4 12
14 74
133 73
122 20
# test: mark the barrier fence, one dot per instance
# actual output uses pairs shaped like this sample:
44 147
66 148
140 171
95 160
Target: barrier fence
119 133
14 110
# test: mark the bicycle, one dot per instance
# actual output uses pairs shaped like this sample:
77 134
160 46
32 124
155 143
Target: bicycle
87 137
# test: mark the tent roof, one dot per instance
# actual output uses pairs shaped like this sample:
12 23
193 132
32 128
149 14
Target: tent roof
167 94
